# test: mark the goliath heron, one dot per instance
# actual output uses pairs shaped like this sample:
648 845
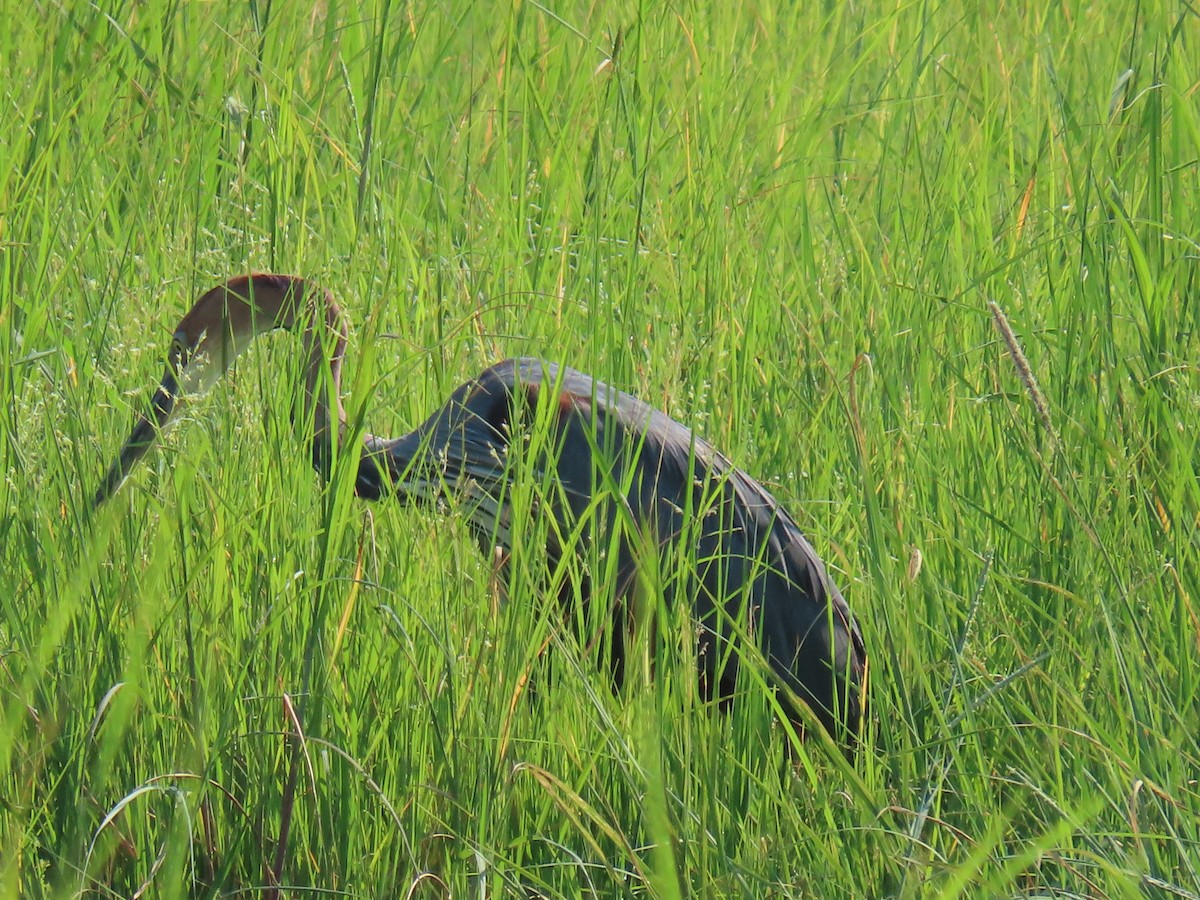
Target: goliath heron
613 481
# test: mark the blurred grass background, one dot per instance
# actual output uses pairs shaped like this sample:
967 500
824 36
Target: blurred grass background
784 226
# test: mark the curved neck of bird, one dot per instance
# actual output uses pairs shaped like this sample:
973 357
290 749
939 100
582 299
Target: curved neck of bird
222 324
324 343
255 304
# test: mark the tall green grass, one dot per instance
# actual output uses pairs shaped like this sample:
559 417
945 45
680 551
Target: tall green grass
928 270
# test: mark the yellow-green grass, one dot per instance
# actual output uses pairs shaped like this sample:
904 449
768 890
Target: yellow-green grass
929 271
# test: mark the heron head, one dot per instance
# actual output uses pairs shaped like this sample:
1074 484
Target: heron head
207 340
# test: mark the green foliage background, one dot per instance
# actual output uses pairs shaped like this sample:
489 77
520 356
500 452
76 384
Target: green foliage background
784 224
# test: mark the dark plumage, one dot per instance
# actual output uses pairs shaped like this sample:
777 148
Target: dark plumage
751 571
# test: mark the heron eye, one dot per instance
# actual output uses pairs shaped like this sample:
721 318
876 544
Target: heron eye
179 354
